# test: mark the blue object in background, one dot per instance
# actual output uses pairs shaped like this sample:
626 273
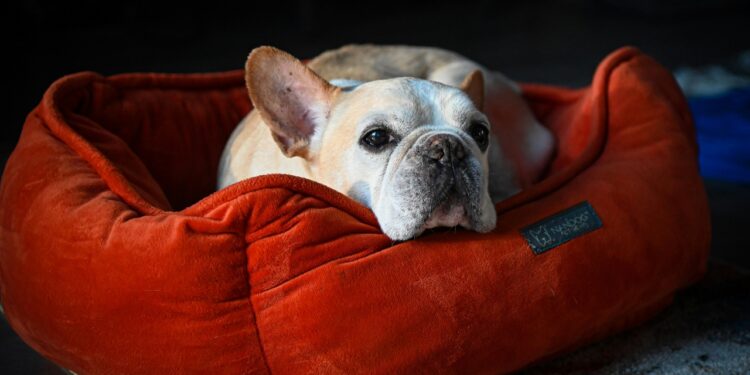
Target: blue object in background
723 127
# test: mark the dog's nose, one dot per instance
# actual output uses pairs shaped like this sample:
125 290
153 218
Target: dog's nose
445 148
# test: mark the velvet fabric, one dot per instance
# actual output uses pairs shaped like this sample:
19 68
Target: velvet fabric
117 257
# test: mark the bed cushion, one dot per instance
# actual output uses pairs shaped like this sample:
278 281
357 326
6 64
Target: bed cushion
116 255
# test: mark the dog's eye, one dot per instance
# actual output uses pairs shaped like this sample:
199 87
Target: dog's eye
376 139
480 133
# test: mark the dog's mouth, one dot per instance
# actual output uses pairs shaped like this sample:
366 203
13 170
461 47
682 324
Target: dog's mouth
449 213
456 203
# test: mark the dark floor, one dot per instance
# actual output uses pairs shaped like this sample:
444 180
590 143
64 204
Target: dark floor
705 331
556 42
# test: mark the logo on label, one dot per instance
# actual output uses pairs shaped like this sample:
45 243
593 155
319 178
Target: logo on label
561 227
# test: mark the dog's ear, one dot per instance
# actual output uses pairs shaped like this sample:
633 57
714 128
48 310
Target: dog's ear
473 86
292 100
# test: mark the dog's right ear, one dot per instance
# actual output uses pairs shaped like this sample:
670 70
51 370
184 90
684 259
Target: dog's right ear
292 100
473 86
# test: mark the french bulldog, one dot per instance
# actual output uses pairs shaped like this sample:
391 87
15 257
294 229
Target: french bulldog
400 129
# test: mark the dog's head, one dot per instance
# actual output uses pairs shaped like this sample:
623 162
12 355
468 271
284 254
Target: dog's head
415 151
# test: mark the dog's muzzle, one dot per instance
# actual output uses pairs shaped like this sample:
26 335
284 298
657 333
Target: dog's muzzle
457 186
438 182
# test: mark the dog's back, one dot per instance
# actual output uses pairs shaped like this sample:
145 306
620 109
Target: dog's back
368 62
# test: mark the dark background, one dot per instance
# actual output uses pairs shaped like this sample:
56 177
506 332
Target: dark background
556 42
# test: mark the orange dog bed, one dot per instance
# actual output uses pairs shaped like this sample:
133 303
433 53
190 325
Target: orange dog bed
116 256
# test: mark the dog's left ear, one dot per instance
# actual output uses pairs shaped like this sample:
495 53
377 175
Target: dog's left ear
473 86
292 100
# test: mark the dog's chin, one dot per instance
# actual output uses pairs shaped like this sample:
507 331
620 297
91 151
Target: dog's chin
450 213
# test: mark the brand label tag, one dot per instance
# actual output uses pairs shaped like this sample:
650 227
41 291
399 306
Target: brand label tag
561 227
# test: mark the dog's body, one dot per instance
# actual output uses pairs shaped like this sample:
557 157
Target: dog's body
415 150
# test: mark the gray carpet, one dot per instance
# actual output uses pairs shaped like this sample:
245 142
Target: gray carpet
706 331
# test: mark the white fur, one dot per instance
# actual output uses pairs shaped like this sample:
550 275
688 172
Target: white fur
413 109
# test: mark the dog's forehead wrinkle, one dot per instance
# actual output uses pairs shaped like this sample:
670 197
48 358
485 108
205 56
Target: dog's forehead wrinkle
445 105
410 102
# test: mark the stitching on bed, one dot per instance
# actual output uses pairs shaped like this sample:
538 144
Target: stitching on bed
246 273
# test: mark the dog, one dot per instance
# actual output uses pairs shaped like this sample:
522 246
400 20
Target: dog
400 129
